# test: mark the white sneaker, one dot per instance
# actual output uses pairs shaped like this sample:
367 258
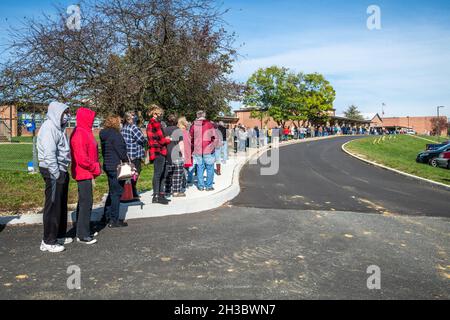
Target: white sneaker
64 241
56 248
87 241
95 234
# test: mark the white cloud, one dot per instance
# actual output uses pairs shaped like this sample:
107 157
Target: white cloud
406 69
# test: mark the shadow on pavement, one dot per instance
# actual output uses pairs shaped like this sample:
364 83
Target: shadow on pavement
5 222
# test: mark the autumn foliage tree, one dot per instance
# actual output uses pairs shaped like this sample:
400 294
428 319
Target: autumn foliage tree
127 54
439 125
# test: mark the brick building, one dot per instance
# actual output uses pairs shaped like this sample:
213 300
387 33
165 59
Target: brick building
421 125
244 118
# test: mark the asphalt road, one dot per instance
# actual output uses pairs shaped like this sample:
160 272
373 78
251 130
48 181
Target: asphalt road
320 176
240 252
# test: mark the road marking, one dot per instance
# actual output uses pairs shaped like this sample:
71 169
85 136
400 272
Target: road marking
424 139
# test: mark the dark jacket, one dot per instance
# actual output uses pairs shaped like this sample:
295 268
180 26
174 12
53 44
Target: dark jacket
114 149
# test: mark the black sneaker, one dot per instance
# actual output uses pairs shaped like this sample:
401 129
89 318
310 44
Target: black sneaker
119 224
163 201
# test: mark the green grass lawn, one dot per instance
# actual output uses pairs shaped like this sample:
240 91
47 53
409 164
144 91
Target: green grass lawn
22 140
15 157
22 192
399 153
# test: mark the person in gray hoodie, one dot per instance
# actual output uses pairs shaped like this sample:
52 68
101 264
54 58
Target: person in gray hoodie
54 159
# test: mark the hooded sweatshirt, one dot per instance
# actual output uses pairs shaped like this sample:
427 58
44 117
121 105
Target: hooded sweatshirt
85 164
52 144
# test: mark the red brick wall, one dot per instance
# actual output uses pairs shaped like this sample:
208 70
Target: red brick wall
5 115
246 120
422 125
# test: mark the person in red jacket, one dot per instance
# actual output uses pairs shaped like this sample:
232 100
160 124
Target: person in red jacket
204 139
157 144
85 168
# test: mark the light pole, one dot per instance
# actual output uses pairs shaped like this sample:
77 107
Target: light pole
439 123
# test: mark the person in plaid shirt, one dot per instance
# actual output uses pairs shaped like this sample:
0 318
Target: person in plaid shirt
136 142
157 144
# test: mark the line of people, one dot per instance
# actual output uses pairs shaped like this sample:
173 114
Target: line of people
255 137
177 149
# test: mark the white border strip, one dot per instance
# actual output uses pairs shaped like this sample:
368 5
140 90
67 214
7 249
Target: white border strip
392 169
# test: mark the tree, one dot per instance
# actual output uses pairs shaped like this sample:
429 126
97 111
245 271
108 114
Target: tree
262 115
353 113
287 96
438 125
267 90
128 54
315 99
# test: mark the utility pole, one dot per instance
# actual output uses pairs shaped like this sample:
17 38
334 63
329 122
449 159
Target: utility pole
11 122
439 123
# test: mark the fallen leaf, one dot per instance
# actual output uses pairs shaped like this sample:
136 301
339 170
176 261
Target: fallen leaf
166 259
348 236
22 277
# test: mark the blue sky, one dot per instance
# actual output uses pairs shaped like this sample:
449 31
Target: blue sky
406 64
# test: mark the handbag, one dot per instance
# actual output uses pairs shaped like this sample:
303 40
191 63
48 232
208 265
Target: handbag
125 170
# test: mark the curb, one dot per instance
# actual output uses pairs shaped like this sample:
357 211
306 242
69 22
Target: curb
215 201
438 184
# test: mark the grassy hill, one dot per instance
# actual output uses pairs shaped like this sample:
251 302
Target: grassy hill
400 153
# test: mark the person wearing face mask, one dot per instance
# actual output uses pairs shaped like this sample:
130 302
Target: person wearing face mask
157 143
85 169
54 159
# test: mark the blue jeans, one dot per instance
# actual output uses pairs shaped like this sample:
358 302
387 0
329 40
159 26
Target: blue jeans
205 162
242 145
222 154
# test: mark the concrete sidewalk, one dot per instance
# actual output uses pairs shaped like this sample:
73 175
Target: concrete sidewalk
226 188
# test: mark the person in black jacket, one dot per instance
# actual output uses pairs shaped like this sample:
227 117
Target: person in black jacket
114 150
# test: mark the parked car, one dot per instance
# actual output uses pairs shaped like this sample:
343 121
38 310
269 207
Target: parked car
411 132
444 160
437 146
430 156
